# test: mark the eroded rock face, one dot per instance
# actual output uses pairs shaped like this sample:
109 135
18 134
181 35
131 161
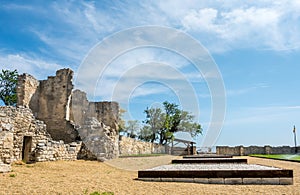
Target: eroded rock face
100 141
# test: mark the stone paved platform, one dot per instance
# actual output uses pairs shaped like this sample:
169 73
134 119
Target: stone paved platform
218 174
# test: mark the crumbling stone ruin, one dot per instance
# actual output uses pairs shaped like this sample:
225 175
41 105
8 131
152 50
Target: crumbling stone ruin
22 137
49 101
66 112
54 122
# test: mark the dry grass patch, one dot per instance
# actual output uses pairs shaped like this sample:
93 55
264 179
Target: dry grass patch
86 177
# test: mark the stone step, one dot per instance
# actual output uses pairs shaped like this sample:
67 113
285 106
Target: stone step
210 160
207 156
218 174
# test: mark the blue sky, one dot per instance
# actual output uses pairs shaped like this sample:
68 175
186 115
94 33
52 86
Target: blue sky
255 45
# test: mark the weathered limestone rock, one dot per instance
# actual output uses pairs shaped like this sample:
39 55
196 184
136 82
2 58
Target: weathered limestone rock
99 140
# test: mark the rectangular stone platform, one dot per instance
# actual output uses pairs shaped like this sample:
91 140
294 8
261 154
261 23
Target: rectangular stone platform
207 156
218 174
209 160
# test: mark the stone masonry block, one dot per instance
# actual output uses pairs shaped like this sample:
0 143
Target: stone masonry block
233 181
150 179
270 181
286 181
166 179
251 180
188 180
201 180
216 180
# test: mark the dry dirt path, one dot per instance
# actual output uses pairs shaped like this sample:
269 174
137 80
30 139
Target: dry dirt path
78 177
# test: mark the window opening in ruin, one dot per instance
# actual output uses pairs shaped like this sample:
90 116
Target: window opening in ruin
27 141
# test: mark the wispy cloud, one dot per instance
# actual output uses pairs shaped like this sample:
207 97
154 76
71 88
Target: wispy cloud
224 25
242 91
25 64
70 29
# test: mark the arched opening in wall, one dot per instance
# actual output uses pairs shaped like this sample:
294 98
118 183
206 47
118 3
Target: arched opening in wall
26 148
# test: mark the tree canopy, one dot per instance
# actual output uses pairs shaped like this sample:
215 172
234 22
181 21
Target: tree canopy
162 124
132 128
8 87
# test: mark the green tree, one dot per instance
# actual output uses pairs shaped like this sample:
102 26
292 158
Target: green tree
131 128
155 119
145 133
8 87
163 124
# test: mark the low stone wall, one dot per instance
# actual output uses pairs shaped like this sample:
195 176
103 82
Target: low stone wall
129 146
241 150
56 150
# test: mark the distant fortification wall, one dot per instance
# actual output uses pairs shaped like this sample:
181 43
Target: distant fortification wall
129 146
241 150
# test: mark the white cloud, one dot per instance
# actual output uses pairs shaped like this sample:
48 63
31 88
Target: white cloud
202 20
71 29
25 64
18 7
226 25
145 91
126 82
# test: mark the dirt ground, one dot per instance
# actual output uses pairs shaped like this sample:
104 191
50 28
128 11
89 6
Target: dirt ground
118 176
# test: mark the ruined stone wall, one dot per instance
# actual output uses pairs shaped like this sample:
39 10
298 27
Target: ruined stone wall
99 140
54 94
56 150
106 112
98 126
129 146
241 150
81 109
49 100
28 92
18 123
15 123
64 111
6 148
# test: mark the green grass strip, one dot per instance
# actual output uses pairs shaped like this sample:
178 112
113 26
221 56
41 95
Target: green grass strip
291 157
